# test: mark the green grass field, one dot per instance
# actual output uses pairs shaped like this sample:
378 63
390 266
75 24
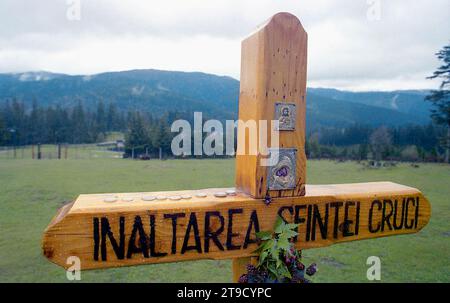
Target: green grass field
31 192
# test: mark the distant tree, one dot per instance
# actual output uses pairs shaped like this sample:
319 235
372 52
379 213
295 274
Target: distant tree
307 148
410 153
2 130
101 118
380 140
64 129
51 125
113 122
17 128
79 125
35 124
344 153
363 150
314 146
137 134
441 98
161 136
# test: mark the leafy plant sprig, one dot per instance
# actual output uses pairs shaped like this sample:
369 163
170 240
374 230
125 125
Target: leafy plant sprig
279 261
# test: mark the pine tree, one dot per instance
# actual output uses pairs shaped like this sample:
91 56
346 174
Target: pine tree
35 124
100 118
137 134
112 119
2 130
18 123
441 98
363 150
79 126
380 141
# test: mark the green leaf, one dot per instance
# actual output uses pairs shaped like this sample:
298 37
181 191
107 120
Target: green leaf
263 257
272 270
290 233
279 225
292 226
264 235
258 250
283 242
279 263
267 245
285 272
274 246
275 253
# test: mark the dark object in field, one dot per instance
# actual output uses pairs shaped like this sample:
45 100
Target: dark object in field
380 164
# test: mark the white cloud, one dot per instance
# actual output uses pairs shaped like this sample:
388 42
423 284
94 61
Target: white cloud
346 50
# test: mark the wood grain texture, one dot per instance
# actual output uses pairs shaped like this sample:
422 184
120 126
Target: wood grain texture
273 70
81 229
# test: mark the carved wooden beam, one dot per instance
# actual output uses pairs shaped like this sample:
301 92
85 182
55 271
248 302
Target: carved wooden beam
109 230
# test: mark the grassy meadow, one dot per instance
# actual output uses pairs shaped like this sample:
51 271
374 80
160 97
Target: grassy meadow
31 191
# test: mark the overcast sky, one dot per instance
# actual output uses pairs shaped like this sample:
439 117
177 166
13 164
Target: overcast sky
353 44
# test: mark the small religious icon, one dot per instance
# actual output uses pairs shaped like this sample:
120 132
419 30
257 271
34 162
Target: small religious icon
285 114
282 175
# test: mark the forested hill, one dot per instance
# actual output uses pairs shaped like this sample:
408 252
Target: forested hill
159 91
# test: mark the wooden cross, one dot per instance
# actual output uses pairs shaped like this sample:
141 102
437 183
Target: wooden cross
121 229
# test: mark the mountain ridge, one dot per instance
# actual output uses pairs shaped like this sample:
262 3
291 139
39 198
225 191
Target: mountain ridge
160 91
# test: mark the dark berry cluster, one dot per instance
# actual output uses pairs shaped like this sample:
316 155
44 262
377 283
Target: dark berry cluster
292 261
255 275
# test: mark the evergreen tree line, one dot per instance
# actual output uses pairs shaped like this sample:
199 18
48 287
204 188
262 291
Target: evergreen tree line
425 136
146 135
149 133
20 125
361 142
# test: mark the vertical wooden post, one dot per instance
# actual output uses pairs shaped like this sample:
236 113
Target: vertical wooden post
273 87
59 151
160 153
132 153
39 154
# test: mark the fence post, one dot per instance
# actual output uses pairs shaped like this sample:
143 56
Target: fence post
59 151
39 155
160 153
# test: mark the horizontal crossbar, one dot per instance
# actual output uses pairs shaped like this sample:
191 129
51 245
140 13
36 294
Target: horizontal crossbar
109 230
